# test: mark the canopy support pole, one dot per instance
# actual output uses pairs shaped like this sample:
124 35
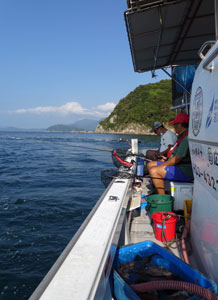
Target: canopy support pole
176 81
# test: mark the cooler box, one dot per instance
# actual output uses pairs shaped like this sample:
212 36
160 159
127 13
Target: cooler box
181 191
160 257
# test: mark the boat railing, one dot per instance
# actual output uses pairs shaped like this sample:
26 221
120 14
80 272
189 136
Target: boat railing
82 270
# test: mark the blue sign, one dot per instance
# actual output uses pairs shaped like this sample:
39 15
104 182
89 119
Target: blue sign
210 115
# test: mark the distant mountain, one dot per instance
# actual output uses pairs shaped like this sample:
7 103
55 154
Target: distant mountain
61 127
15 129
86 125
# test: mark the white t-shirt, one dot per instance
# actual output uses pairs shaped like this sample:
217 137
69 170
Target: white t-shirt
168 138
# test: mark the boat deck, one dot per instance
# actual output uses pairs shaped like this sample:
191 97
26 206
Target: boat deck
141 226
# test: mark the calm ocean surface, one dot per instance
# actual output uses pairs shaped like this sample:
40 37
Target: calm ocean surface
49 183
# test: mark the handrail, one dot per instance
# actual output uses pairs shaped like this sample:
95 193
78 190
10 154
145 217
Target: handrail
207 43
180 106
209 60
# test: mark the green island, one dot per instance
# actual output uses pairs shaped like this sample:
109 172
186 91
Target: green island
136 112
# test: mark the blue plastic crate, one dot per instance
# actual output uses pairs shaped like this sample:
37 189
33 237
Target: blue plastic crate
161 257
122 291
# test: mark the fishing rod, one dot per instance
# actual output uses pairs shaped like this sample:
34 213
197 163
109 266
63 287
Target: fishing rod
67 145
99 149
89 148
164 179
167 179
107 150
147 176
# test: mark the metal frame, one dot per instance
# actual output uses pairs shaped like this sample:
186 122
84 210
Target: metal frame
158 43
216 17
179 40
192 10
176 81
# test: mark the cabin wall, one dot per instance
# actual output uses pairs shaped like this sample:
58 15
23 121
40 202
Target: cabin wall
203 142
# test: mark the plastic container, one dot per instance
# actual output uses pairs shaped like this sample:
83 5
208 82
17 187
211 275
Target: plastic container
143 197
164 226
140 167
187 209
184 75
144 205
181 191
159 203
160 257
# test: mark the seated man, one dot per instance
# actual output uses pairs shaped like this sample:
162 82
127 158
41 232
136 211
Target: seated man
178 166
168 139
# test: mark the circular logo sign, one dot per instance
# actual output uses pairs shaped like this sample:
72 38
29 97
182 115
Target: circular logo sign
197 111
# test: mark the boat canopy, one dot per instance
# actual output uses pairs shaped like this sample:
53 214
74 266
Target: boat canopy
168 32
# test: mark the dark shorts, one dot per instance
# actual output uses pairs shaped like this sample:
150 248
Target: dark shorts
174 173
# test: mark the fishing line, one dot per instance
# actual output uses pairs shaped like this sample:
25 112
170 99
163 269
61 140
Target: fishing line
77 146
65 145
147 176
97 149
88 148
167 179
110 150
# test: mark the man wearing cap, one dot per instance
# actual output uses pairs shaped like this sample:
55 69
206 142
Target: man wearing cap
178 165
168 139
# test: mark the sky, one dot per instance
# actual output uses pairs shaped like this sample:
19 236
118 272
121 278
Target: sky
63 61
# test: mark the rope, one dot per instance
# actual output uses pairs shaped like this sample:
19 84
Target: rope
167 243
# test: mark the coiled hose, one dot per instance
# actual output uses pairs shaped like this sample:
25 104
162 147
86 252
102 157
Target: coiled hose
174 285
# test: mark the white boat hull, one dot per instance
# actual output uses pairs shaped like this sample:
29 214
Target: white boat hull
203 132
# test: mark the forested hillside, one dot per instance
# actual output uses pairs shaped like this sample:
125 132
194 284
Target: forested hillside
142 106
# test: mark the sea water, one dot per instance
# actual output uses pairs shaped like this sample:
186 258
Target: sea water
49 183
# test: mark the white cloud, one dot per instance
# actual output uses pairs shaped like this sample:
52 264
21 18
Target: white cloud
107 107
69 108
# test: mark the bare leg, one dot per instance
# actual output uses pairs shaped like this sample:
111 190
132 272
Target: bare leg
155 173
151 164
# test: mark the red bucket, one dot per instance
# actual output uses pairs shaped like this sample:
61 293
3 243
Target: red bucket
164 225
